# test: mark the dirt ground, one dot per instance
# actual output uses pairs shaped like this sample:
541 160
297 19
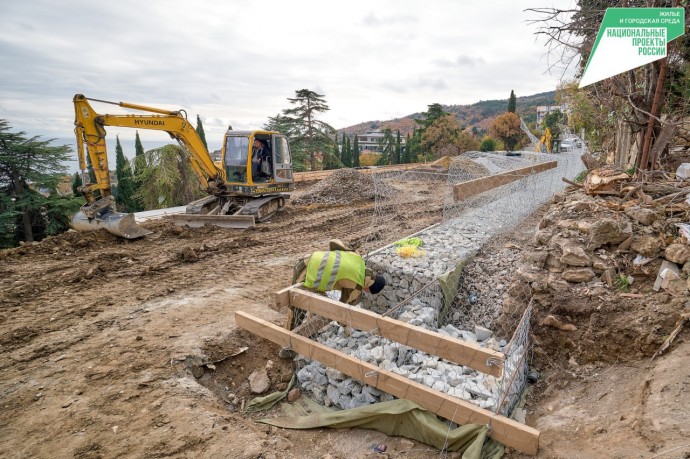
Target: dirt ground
106 346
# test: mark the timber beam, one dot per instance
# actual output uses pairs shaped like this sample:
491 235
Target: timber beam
474 187
455 350
502 429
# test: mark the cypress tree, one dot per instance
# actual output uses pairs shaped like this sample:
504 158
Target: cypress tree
125 181
355 153
512 102
76 183
398 153
89 169
342 149
348 153
200 131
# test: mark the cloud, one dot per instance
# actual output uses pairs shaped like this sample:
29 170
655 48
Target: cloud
238 62
373 20
460 61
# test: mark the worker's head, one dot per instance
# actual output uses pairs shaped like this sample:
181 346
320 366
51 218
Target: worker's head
377 286
258 143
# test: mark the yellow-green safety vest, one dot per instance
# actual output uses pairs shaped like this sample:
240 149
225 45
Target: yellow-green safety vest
324 269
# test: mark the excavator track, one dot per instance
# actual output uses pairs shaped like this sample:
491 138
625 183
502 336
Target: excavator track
264 208
256 210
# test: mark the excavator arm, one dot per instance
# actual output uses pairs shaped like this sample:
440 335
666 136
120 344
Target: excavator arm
89 129
90 133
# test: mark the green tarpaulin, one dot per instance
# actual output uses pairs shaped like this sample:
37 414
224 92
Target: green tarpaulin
402 418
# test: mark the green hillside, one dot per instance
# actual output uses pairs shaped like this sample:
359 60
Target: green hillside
479 114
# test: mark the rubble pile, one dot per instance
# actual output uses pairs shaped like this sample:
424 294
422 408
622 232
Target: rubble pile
345 186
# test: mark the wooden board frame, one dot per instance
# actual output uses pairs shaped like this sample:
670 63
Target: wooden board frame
474 187
502 429
462 352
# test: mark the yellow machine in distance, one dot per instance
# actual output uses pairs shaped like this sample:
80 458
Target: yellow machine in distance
545 141
237 197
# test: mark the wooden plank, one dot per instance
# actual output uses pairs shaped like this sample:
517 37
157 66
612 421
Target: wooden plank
471 188
282 298
504 430
464 353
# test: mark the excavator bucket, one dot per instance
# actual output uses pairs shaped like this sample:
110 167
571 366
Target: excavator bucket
224 221
117 223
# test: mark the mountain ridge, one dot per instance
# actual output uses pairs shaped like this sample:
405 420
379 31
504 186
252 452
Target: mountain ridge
478 115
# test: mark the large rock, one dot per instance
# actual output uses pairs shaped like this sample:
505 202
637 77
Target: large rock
543 236
575 255
556 283
553 264
643 216
608 231
677 253
258 381
578 274
647 246
535 259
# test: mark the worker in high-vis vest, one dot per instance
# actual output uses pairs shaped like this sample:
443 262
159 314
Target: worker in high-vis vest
341 270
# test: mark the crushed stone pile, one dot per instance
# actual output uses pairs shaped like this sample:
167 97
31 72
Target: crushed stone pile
345 186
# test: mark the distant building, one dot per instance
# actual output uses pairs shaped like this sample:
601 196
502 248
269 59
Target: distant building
543 110
371 140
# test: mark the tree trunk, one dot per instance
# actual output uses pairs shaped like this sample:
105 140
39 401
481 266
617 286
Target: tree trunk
656 109
26 218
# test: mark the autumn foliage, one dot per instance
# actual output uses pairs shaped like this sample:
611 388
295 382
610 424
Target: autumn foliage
506 127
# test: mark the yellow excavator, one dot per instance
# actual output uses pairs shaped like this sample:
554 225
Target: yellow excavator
544 142
240 194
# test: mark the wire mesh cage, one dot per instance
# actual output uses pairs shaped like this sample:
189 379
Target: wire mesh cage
434 282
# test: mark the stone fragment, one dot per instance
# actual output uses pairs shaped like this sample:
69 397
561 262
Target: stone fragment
575 255
551 321
556 283
677 253
482 333
293 395
578 274
608 231
535 259
647 246
640 215
258 381
543 236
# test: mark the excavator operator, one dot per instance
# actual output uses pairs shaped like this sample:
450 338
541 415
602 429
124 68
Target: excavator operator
261 156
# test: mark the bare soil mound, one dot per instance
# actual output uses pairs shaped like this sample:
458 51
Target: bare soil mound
345 186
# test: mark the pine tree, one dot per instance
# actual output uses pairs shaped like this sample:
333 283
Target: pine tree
200 131
30 170
76 183
355 152
125 180
434 112
512 102
398 153
307 133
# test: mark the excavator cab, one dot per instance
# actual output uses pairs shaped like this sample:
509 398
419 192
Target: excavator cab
275 175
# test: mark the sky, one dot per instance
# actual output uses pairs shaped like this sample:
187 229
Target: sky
237 62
